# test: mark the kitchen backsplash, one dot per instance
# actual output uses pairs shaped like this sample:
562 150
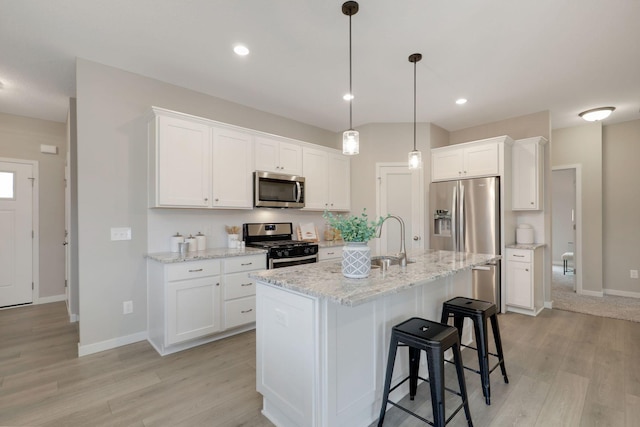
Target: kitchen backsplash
163 223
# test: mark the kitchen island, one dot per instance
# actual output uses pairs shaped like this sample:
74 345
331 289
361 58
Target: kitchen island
322 339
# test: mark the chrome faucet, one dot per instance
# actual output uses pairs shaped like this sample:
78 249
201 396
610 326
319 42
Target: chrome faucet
403 251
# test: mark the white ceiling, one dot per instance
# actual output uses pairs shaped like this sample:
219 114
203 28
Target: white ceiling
509 58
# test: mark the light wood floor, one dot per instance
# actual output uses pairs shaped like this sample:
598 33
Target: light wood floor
565 369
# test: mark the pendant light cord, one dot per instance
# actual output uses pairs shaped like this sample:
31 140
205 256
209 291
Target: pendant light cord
350 81
414 105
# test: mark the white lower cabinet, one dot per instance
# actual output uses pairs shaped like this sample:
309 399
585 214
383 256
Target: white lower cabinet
194 302
524 281
333 252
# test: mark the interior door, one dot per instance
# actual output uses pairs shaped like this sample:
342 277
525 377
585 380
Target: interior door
400 193
16 228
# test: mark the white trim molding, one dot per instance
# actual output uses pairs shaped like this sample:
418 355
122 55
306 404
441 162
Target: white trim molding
84 350
618 293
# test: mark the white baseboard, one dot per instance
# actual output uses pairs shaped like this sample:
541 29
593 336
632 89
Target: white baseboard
54 298
84 350
592 293
621 293
548 304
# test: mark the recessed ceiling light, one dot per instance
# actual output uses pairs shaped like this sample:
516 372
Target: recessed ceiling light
596 114
461 101
241 50
348 97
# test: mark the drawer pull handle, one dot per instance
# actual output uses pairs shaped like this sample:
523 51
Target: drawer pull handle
519 256
246 284
246 311
247 263
330 253
195 271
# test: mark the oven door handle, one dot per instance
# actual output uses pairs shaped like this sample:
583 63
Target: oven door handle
272 261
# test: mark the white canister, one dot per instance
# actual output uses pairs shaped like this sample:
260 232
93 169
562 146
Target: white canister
201 240
524 234
177 238
232 241
193 243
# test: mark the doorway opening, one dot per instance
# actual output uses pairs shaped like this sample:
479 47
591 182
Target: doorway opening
566 228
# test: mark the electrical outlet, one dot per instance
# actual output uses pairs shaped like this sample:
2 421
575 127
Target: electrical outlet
121 233
633 274
127 307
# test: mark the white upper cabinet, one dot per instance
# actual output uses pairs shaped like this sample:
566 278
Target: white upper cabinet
469 160
179 163
528 174
327 180
278 156
232 167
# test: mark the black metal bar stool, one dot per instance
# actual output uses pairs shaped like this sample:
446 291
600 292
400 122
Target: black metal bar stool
478 311
434 338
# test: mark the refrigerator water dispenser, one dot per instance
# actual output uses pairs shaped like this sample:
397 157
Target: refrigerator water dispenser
442 223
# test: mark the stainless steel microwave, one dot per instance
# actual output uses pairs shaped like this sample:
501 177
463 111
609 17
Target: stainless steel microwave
275 190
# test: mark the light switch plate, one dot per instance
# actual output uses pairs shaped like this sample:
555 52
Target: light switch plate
121 233
633 274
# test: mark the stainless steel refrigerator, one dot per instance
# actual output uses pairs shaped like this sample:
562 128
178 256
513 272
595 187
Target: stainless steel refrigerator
466 218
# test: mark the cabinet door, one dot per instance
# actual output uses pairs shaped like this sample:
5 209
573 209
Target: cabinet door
290 158
339 175
267 154
183 169
519 284
314 166
193 309
525 176
446 164
232 169
480 160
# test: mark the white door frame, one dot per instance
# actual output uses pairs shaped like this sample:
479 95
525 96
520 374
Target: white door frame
35 247
418 175
578 249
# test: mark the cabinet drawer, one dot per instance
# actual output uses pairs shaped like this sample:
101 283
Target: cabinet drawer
245 263
239 312
519 255
192 270
329 253
238 285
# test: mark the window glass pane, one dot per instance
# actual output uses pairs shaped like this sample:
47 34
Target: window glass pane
6 185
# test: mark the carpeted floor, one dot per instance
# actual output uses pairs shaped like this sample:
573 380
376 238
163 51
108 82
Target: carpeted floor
564 298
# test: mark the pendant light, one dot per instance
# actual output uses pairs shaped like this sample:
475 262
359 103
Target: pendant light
415 156
350 138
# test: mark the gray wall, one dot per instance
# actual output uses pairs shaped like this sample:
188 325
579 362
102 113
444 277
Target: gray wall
583 145
385 142
20 138
112 187
621 206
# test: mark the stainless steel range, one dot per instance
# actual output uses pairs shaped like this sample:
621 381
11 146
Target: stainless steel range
277 239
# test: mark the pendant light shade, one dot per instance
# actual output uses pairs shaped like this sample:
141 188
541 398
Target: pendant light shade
415 156
350 138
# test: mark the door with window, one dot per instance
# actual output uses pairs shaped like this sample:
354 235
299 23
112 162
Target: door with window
16 233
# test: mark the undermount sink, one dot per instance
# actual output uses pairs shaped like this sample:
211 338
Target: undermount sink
378 261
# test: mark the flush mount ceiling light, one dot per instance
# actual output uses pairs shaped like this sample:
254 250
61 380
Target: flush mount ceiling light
596 114
461 101
350 138
241 50
415 156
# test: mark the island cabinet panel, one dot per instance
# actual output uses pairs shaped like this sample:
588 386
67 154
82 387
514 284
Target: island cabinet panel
323 364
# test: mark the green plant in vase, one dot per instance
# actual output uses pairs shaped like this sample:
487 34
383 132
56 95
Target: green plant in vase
354 228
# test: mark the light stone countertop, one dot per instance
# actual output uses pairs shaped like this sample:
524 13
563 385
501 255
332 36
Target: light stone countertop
330 243
172 257
529 246
325 279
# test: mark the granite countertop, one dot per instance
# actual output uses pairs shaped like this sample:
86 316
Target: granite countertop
325 279
529 246
171 257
